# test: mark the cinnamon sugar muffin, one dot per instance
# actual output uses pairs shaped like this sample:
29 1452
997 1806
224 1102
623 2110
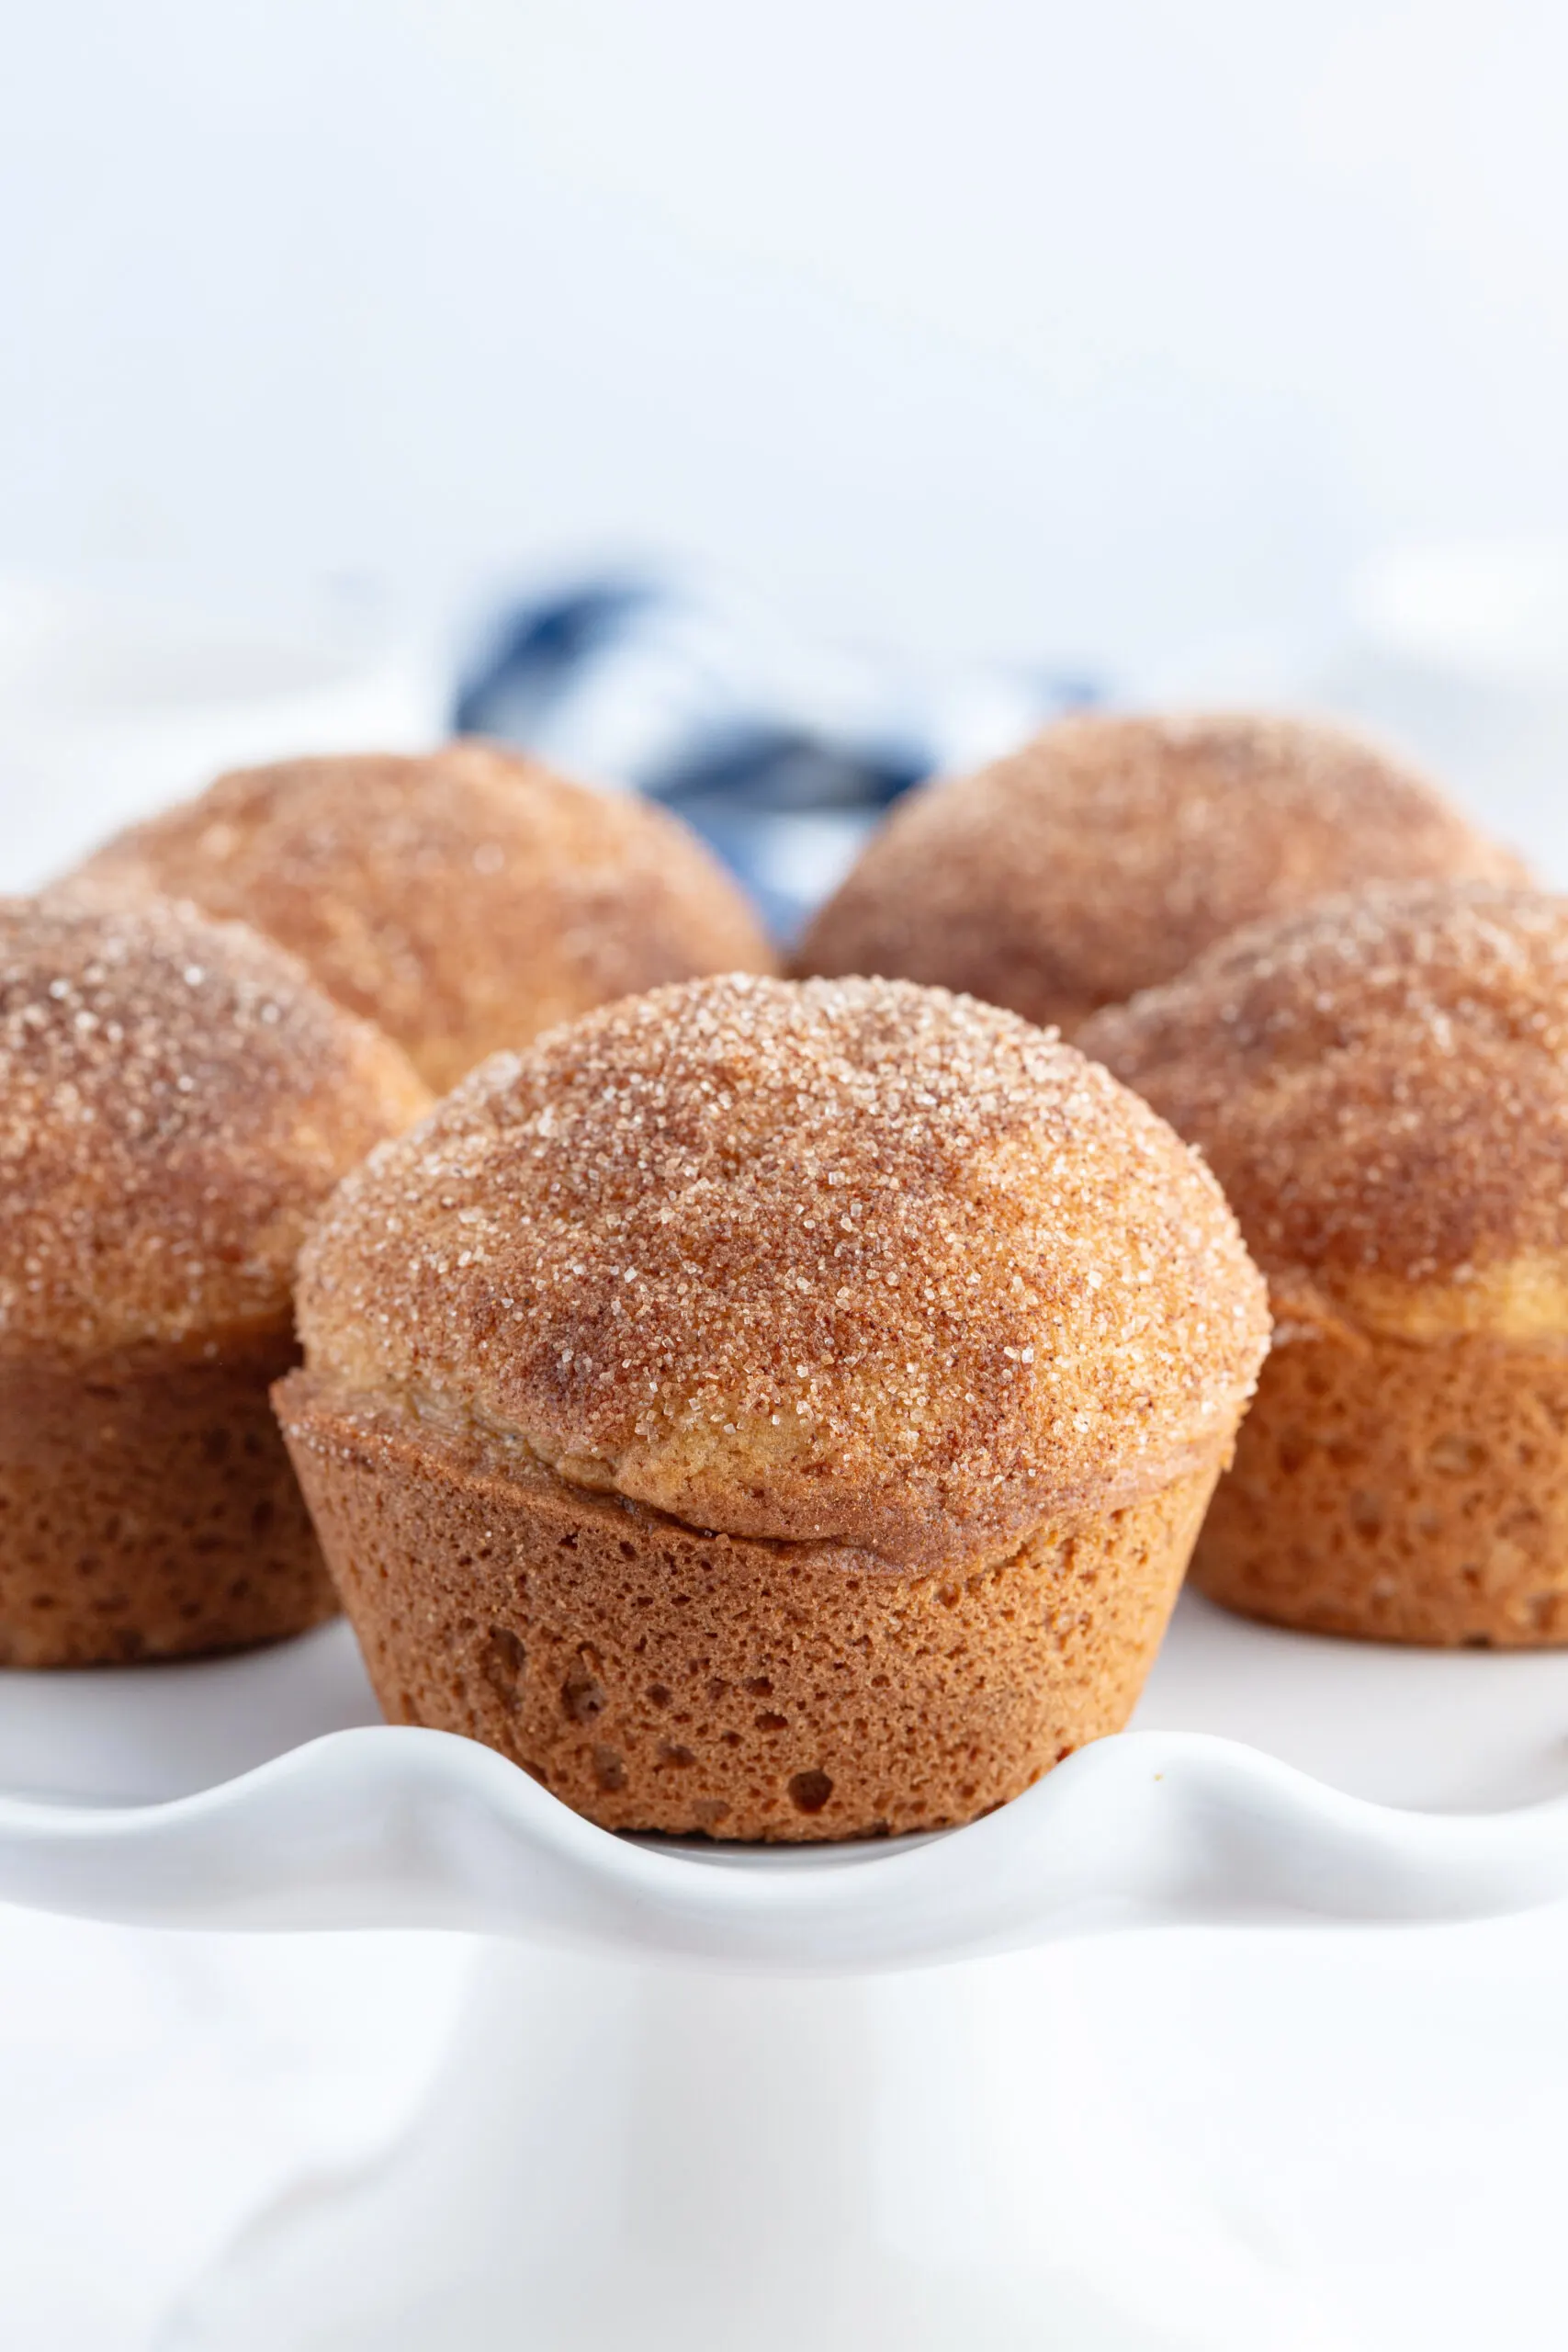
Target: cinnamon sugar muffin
1110 852
1381 1087
776 1410
175 1099
463 901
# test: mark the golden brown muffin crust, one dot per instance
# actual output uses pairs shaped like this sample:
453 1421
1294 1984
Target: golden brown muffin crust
657 1675
1380 1084
1110 852
463 901
147 1509
175 1098
1400 1491
851 1262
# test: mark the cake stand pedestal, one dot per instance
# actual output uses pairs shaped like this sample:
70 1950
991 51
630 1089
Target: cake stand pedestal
722 2099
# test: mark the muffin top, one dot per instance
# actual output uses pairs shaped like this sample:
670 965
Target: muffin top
1380 1084
1110 852
463 901
175 1098
850 1261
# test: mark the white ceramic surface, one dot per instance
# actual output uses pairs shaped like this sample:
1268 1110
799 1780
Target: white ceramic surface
682 2163
1266 1774
687 2088
1178 1820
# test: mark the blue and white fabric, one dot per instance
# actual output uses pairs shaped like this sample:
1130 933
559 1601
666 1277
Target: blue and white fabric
783 752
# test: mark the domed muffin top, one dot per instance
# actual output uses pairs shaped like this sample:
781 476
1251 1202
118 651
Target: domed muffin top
1112 851
463 901
175 1098
853 1262
1380 1084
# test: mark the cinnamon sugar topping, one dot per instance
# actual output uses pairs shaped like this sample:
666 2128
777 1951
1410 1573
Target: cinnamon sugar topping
1382 1086
853 1261
463 901
174 1099
1110 852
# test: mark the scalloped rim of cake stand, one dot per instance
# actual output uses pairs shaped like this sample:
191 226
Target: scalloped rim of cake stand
383 1827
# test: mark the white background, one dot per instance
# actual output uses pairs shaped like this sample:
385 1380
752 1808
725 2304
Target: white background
1002 325
990 328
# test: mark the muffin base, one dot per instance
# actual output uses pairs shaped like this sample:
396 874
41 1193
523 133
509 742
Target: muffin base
656 1676
147 1509
1400 1491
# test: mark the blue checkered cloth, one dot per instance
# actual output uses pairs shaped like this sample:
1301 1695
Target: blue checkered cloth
783 754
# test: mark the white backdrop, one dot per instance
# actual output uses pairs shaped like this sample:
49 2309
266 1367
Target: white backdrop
1001 325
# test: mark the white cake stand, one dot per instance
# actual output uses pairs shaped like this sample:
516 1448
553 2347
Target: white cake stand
691 2104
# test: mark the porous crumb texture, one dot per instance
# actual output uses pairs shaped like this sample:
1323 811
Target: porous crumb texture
1110 852
175 1098
839 1261
1381 1085
463 901
1411 1493
656 1677
147 1509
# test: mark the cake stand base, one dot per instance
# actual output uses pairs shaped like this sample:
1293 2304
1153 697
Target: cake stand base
725 2123
689 2162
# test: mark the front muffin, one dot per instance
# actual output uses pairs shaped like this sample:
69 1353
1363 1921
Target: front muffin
175 1099
781 1411
1108 853
1381 1087
463 901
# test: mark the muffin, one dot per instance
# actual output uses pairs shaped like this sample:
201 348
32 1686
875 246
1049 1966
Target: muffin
463 901
175 1100
782 1411
1108 853
1382 1088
